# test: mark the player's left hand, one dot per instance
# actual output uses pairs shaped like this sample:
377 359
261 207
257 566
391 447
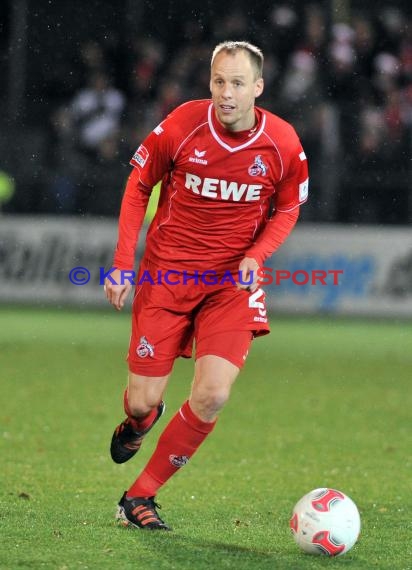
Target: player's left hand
248 274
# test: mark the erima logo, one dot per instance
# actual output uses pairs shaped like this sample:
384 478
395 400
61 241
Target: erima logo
223 189
198 158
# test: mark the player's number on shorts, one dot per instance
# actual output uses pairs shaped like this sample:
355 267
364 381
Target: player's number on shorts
255 304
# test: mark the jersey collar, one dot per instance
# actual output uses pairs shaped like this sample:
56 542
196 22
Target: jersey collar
237 140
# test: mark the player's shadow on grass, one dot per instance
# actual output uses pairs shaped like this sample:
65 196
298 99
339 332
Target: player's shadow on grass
179 551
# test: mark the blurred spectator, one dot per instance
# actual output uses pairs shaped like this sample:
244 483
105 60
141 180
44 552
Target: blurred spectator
92 59
377 181
96 112
284 32
81 133
100 188
405 52
146 62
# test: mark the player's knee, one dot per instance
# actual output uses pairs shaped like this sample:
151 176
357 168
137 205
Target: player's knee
210 401
141 406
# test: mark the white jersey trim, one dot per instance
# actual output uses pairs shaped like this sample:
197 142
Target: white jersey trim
279 155
138 168
290 209
226 146
257 221
169 213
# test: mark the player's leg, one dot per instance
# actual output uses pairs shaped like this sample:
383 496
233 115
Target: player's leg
181 437
162 330
143 406
220 354
195 420
224 329
160 333
214 377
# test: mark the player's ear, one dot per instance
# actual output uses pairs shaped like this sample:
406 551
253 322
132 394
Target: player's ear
259 85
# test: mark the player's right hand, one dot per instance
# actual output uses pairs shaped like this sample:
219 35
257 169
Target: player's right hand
117 293
248 268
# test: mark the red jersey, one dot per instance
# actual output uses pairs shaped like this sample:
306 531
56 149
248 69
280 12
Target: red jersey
216 191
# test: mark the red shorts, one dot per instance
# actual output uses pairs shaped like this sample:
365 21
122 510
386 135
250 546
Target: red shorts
168 317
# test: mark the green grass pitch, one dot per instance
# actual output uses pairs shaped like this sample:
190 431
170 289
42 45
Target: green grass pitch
320 402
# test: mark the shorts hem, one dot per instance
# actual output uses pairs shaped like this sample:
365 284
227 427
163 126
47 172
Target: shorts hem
260 332
155 369
253 331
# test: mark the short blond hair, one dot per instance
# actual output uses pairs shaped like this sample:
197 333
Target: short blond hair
255 54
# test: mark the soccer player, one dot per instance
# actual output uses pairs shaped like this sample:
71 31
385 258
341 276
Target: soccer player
232 179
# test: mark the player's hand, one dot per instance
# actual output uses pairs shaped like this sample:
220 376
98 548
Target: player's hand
248 268
117 294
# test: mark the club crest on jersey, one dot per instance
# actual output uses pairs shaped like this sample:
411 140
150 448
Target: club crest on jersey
258 168
145 348
141 155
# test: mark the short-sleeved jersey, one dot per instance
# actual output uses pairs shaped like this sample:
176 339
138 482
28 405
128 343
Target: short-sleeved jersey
217 186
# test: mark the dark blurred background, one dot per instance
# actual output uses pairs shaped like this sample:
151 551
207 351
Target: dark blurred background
83 82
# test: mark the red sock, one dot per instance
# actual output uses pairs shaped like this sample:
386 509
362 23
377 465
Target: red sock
178 442
139 424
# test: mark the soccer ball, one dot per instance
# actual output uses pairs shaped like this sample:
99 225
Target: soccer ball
325 521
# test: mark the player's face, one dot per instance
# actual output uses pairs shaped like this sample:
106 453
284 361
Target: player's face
234 88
